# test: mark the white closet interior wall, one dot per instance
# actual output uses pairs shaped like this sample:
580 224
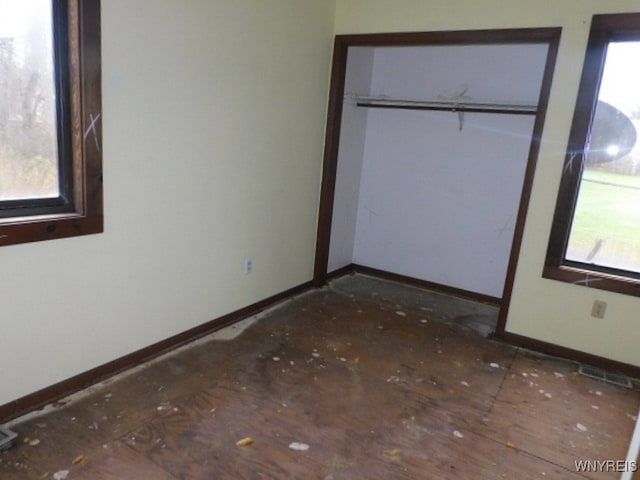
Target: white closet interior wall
417 196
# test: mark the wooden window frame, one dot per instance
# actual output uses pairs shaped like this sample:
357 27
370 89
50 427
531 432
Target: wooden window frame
604 29
80 67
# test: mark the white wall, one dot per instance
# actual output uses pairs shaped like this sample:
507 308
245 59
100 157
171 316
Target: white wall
502 73
353 130
435 202
439 204
548 310
213 131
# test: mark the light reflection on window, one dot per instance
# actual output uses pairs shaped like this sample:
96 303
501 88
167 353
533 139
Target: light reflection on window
606 225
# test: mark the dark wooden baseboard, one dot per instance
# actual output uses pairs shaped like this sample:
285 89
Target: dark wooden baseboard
570 354
456 292
71 385
78 382
341 272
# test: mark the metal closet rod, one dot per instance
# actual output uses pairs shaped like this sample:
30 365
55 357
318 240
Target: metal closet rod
447 105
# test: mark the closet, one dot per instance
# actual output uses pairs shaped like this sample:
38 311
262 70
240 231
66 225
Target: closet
435 153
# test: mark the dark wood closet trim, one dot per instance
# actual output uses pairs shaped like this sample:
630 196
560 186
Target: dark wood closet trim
527 184
451 37
330 162
83 380
549 36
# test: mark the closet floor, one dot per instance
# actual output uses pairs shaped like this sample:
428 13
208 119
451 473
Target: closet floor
364 379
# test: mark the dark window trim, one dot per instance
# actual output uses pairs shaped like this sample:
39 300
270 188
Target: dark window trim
604 29
79 210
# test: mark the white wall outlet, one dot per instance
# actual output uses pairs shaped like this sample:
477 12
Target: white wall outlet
248 266
598 309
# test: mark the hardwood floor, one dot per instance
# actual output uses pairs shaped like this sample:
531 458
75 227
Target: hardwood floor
366 379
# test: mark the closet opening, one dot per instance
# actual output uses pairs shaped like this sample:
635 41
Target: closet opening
430 152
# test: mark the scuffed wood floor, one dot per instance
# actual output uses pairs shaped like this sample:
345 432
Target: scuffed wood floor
378 380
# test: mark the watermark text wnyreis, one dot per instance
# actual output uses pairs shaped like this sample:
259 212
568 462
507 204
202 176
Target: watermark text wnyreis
601 466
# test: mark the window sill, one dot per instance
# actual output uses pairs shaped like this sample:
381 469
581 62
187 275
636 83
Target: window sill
48 227
593 279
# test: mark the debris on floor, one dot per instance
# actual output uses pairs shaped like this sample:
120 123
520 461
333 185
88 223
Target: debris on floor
395 452
333 394
244 442
298 446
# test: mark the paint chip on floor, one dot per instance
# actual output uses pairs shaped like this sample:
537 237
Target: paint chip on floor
464 384
581 427
61 475
233 331
458 434
400 313
494 365
299 446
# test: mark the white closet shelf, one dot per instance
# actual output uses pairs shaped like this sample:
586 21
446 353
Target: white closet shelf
444 105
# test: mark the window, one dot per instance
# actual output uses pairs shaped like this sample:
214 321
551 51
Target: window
50 120
595 236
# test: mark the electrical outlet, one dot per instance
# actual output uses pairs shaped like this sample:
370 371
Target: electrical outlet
598 309
248 266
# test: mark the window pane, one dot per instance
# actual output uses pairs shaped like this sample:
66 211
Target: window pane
606 224
28 139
